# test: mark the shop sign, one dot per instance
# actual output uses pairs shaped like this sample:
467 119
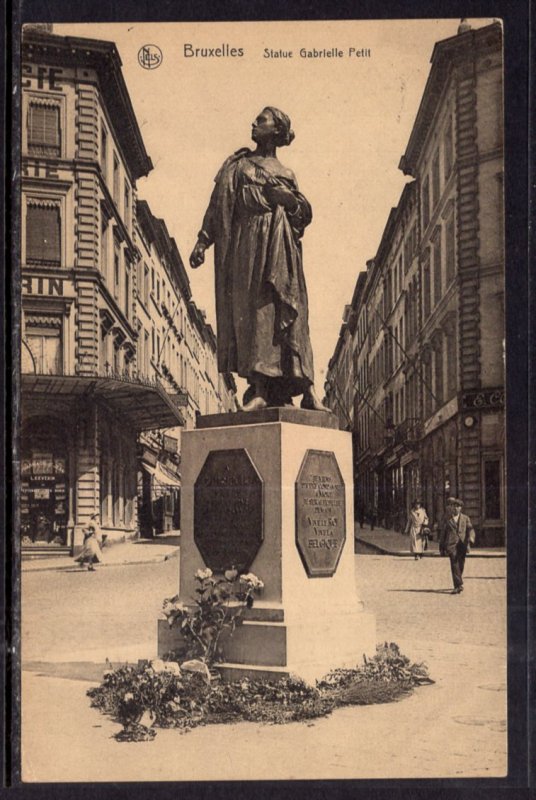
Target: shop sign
41 494
42 466
48 287
171 444
486 398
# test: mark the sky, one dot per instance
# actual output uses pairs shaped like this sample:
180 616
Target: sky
352 117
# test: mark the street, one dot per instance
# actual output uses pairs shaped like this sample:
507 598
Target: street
455 728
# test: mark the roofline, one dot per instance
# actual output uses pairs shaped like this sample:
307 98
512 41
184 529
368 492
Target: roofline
461 47
104 58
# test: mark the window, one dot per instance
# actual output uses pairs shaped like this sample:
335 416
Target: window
43 233
104 244
449 148
439 372
117 270
437 266
127 294
116 180
145 284
492 489
425 200
451 250
103 350
43 338
436 180
44 136
127 205
117 357
451 363
104 152
426 288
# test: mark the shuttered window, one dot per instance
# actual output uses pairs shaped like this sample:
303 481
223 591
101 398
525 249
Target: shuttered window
43 339
44 135
43 234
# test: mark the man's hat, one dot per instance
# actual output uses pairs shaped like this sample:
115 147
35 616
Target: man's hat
453 501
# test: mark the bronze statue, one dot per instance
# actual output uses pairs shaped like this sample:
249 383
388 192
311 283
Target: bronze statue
255 219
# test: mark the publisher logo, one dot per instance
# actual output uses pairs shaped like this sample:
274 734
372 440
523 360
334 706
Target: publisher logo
150 56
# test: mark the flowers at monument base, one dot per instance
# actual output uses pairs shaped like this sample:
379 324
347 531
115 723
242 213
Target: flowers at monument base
215 611
203 574
142 698
251 580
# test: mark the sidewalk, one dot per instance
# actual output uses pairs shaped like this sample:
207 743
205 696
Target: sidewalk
392 543
138 551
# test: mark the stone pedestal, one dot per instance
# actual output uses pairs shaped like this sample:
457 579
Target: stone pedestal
271 492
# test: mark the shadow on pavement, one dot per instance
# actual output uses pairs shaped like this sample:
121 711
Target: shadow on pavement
72 670
169 541
426 591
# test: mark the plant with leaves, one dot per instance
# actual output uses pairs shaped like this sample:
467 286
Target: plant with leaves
215 612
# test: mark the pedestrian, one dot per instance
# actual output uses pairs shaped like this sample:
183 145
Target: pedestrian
91 551
415 527
455 539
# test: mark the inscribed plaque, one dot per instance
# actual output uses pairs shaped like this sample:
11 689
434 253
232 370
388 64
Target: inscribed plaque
228 510
320 513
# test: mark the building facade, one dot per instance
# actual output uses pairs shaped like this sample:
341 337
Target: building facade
100 342
429 410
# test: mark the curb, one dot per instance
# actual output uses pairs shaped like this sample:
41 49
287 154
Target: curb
69 566
386 552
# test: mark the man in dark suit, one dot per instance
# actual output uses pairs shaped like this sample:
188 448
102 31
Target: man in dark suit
455 540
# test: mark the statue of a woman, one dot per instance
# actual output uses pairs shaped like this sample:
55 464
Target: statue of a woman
255 219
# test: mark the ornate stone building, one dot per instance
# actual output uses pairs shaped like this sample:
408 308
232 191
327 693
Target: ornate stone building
430 411
101 341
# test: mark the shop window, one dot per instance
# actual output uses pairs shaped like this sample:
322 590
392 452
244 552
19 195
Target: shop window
492 489
43 338
44 134
43 233
44 496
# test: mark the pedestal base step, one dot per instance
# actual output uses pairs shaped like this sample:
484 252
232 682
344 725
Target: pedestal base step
236 672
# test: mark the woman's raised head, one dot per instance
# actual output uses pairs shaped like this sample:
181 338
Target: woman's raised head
285 134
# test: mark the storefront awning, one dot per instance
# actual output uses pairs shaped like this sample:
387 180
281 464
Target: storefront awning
162 475
145 404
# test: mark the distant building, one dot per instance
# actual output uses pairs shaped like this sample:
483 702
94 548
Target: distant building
428 409
104 359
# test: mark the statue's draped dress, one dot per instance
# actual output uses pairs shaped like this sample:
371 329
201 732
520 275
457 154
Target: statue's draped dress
261 297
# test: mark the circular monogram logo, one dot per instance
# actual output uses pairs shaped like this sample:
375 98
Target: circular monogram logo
150 56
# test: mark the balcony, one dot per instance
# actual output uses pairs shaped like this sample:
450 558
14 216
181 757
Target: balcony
409 432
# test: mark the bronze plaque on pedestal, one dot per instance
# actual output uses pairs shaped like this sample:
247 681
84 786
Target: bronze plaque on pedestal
228 510
320 513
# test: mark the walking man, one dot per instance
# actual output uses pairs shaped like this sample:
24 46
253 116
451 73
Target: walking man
456 537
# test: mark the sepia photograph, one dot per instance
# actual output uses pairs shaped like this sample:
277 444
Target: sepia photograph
260 476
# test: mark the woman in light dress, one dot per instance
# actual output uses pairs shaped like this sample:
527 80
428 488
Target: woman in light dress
418 520
91 551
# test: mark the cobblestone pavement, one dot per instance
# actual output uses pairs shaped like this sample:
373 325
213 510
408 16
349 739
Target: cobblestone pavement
454 728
